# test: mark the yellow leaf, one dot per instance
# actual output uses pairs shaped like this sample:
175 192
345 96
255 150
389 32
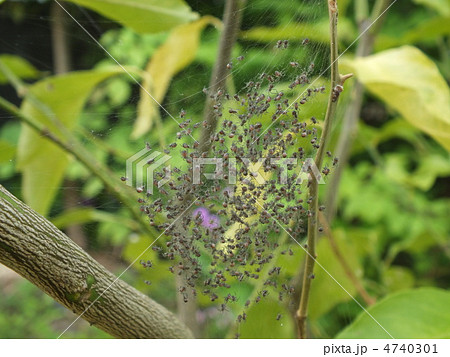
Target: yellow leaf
315 31
174 55
408 81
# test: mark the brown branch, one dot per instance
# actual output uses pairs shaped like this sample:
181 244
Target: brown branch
60 45
314 184
231 23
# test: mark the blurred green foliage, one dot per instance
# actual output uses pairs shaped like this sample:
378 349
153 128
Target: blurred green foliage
38 316
394 200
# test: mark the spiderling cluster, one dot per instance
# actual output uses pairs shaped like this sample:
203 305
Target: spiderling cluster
232 231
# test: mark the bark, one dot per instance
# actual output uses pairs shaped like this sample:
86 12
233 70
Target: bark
33 247
232 18
60 46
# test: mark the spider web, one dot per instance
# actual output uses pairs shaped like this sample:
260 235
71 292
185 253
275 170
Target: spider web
112 108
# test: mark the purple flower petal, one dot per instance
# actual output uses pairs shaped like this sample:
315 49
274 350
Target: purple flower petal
204 213
211 222
208 220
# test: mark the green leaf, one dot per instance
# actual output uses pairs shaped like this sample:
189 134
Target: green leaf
398 278
426 31
113 232
409 82
175 54
159 275
321 303
119 91
261 321
396 128
441 6
41 162
143 16
430 168
19 66
419 313
9 135
88 215
92 187
7 151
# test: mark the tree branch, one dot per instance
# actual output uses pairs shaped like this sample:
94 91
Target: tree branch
231 23
37 250
336 88
60 46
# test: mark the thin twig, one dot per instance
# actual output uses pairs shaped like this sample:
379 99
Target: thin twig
314 184
369 300
231 23
72 146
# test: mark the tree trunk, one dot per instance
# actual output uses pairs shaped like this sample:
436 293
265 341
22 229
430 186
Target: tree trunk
37 250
